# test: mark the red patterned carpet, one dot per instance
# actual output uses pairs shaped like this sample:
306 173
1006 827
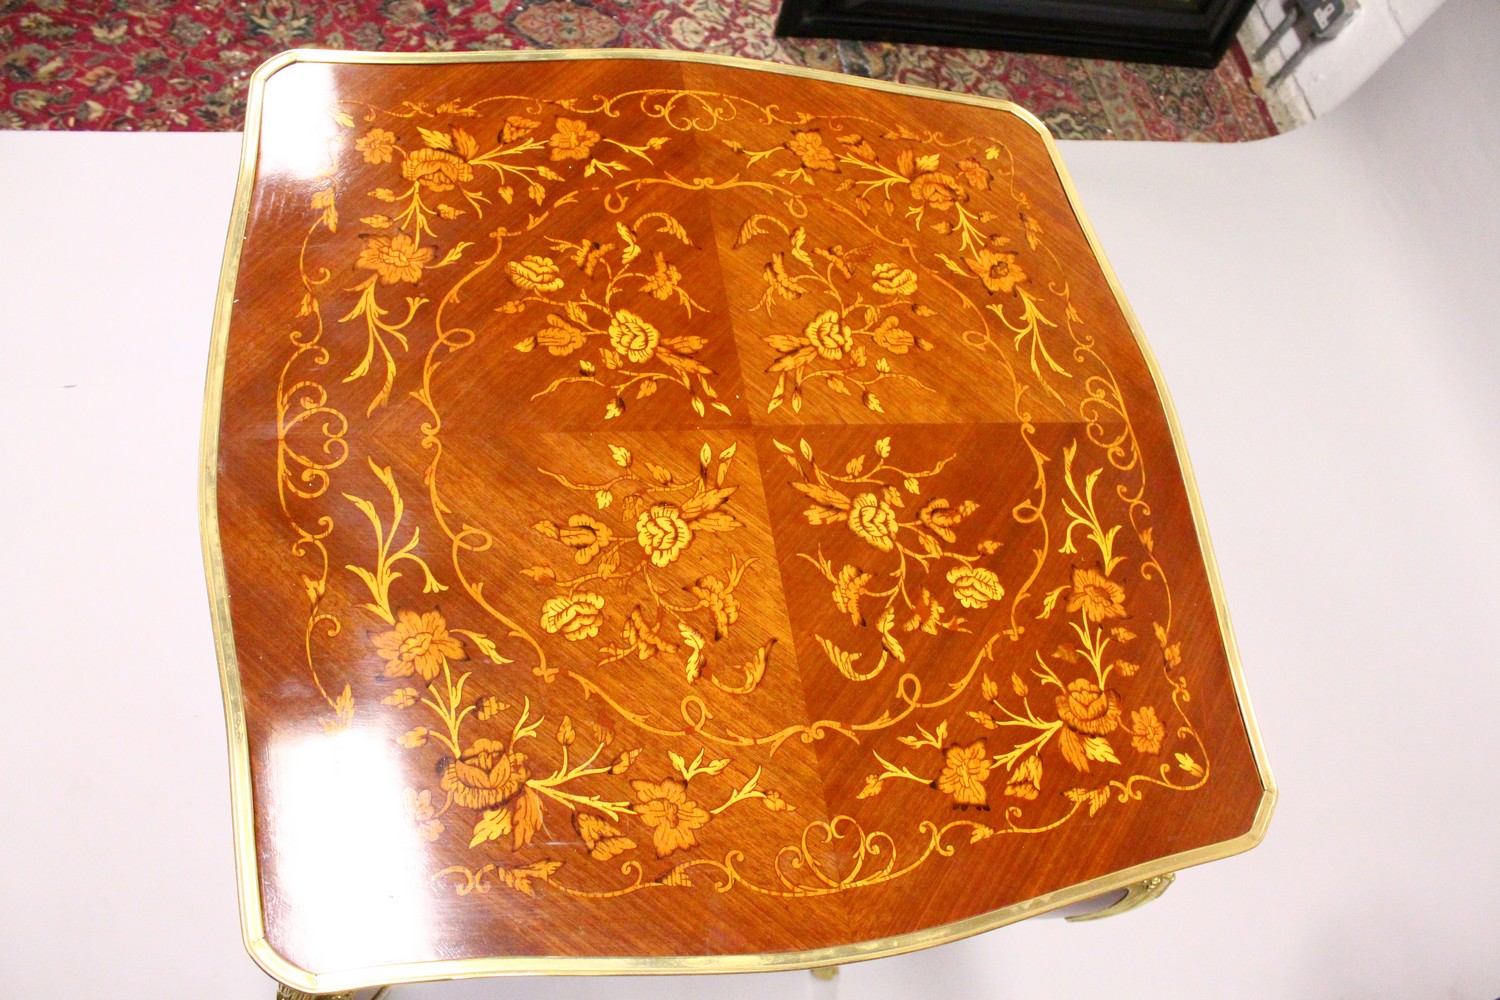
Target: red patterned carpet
183 64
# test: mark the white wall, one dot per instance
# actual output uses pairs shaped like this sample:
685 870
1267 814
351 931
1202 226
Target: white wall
1335 69
1322 304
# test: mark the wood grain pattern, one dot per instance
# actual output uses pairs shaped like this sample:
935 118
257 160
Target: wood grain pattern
672 510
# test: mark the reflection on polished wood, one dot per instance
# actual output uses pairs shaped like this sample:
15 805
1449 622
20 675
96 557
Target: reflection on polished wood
675 516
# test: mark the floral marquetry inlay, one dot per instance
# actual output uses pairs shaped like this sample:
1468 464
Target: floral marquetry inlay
683 510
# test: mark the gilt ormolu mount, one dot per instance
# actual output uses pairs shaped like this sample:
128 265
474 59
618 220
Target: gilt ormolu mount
668 514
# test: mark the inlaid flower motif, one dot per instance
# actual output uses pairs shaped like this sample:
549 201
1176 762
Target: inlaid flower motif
847 590
937 190
908 595
646 519
1085 709
1098 595
893 279
965 770
1147 730
574 616
394 258
376 145
722 604
669 814
828 335
808 147
872 519
419 644
585 536
436 169
535 274
998 270
893 338
485 775
632 336
975 587
841 345
573 140
663 533
559 337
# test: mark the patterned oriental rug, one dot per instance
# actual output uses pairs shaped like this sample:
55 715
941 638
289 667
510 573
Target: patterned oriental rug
183 64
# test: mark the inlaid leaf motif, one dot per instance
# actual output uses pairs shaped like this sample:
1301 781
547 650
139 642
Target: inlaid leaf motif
602 838
493 825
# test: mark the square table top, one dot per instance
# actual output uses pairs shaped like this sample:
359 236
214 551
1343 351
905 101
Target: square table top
677 514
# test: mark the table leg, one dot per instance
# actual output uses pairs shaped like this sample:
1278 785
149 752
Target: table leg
284 992
1138 894
825 984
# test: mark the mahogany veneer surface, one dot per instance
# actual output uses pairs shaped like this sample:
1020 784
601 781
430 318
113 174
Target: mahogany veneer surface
673 509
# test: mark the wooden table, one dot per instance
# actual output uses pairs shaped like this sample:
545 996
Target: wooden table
671 514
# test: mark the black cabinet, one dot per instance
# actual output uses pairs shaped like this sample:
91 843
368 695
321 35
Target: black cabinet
1178 32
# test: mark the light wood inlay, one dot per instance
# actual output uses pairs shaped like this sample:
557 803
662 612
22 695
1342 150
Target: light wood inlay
676 515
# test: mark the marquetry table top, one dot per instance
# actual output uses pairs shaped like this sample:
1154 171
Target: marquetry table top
673 514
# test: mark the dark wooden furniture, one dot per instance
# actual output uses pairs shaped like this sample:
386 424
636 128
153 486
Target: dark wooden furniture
670 514
1176 32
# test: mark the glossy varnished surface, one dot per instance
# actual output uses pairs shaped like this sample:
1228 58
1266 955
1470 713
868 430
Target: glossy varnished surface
674 510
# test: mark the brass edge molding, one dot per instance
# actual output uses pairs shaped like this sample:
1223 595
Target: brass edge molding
396 974
347 57
252 917
242 817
